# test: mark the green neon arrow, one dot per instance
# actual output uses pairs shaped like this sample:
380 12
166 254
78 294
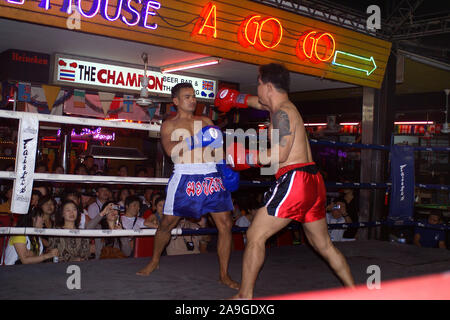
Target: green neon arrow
355 58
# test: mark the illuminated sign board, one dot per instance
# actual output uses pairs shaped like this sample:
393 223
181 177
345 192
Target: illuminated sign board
238 30
121 10
88 74
93 134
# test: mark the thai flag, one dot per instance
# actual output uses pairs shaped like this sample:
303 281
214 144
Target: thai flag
67 75
208 85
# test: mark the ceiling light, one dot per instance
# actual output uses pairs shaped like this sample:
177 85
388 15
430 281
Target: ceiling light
413 122
314 124
190 64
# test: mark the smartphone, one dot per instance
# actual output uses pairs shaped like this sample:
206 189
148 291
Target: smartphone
116 207
336 207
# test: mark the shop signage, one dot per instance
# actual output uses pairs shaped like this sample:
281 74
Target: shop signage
238 30
88 74
25 66
312 45
140 17
95 134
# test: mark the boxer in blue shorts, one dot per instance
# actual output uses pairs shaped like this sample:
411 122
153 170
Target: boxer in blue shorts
198 185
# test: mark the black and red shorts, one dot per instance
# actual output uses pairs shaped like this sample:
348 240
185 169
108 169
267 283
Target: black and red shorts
298 193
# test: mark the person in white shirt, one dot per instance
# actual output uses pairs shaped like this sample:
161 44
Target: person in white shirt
131 220
28 249
336 213
103 195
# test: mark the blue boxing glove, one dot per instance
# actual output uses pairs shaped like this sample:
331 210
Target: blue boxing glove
208 136
230 178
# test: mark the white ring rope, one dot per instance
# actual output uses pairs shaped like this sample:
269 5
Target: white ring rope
154 126
82 232
52 177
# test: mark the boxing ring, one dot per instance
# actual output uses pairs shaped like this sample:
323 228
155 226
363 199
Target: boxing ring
289 272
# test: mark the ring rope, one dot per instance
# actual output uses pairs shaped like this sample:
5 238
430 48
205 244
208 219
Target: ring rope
199 231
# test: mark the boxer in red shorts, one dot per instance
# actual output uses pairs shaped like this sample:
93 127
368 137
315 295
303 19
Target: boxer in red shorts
299 191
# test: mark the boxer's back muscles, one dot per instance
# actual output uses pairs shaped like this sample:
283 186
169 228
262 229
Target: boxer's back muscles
293 140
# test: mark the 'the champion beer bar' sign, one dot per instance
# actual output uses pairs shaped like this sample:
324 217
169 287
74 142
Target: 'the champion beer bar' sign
238 30
79 72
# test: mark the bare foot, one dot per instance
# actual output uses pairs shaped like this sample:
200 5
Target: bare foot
229 282
147 270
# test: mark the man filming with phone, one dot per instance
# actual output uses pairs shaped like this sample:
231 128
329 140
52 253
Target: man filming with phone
337 213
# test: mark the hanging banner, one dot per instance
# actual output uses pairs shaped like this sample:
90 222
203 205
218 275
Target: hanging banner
51 93
79 97
38 102
24 91
25 163
402 177
128 103
151 112
105 100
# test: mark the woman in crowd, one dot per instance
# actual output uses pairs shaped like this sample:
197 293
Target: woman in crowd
48 206
109 219
75 196
157 215
28 249
70 248
123 194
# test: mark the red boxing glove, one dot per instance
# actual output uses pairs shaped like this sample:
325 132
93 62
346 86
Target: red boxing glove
229 98
240 158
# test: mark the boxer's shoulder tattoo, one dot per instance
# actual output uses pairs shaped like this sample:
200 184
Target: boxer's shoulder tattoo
281 122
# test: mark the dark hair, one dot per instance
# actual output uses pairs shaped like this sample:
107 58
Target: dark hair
59 219
158 200
46 199
80 165
120 193
122 166
103 222
130 199
108 241
141 170
36 192
70 192
276 74
177 88
26 221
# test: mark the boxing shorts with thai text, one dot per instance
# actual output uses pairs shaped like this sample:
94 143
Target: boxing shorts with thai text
195 190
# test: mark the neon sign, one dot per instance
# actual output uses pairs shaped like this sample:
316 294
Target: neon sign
345 56
140 18
307 44
208 13
255 32
94 134
250 32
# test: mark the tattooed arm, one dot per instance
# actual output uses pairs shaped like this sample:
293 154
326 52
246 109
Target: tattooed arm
282 122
